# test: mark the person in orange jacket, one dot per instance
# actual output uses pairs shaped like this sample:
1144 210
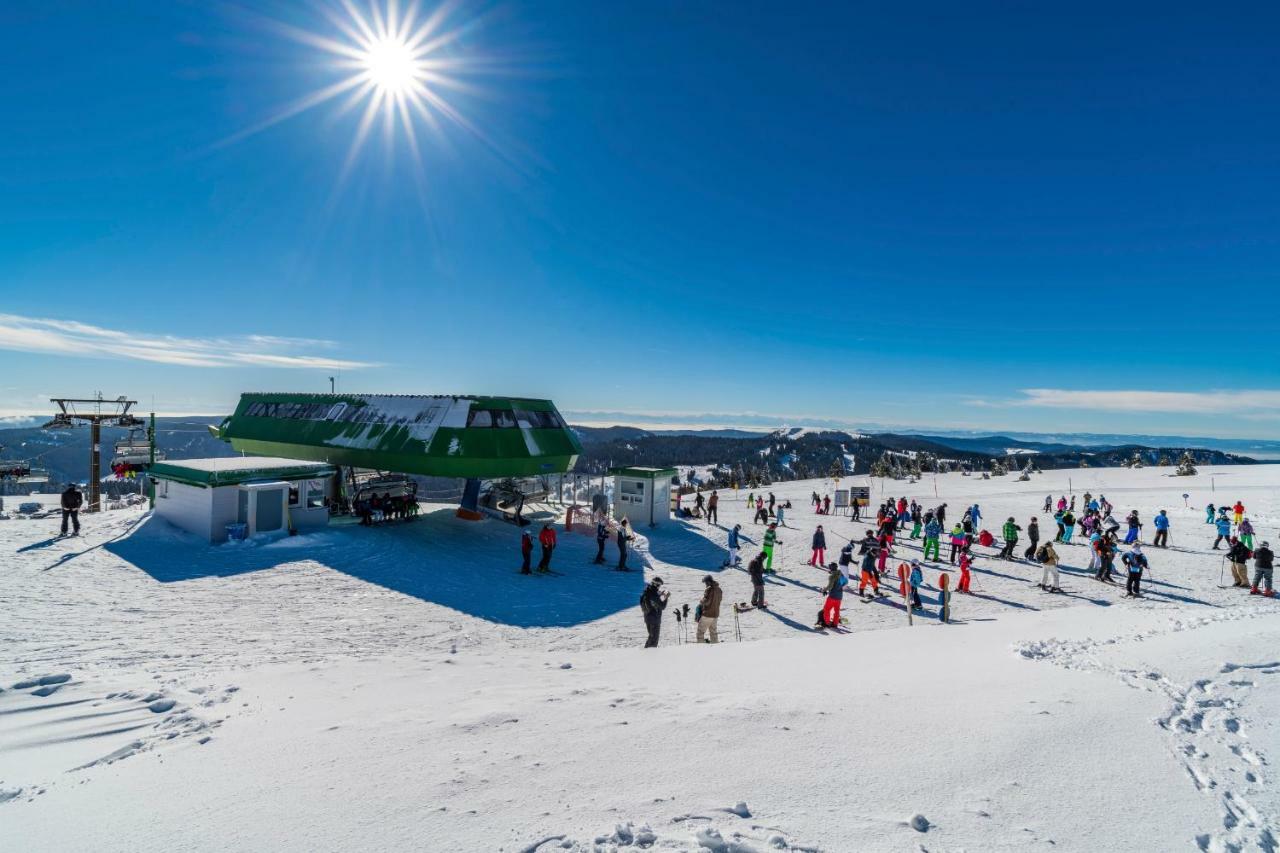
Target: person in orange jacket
1238 509
547 539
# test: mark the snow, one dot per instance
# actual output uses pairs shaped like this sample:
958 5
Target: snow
402 687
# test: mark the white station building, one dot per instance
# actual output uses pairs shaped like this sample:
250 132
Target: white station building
268 496
642 495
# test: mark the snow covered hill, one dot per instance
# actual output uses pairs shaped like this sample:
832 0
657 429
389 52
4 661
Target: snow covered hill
404 687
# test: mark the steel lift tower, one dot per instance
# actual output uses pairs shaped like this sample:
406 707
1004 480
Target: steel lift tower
95 412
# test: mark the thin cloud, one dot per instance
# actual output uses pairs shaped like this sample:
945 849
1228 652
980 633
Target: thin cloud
69 337
1254 404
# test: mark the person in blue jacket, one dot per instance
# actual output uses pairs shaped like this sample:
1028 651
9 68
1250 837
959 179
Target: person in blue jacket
1161 522
975 515
1223 525
734 544
819 557
1209 510
915 580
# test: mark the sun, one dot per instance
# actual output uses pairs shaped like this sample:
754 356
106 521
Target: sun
392 66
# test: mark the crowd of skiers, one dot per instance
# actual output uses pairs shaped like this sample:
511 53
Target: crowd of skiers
1233 526
379 508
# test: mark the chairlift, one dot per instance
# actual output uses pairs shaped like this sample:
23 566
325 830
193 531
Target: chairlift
14 470
34 477
134 450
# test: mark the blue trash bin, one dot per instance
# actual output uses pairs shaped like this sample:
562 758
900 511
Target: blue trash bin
238 531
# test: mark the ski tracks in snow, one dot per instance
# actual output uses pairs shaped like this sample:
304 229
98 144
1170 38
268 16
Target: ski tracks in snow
1204 724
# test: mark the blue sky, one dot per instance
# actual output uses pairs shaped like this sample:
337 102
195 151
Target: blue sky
966 215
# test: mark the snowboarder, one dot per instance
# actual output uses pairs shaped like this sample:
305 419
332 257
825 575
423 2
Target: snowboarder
526 551
1224 531
602 536
819 546
713 504
72 500
1238 557
652 602
1262 559
624 536
734 543
770 539
755 569
836 581
1049 579
1010 532
709 610
547 539
1161 522
1136 562
1033 536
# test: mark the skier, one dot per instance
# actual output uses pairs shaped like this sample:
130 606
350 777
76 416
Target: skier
1208 514
1010 538
547 539
782 521
1057 516
772 501
698 503
932 532
917 521
1136 561
942 516
1049 579
966 560
1068 525
1245 532
1262 559
1161 522
602 536
762 516
652 602
819 548
1238 509
734 543
835 594
1224 531
709 610
1033 536
713 503
624 536
1135 526
770 539
1106 558
869 575
1048 504
755 570
958 541
72 500
1238 556
526 551
915 580
884 545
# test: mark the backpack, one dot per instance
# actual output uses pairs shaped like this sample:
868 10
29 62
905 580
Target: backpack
1042 552
645 607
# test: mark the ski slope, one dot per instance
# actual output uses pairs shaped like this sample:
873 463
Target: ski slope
405 687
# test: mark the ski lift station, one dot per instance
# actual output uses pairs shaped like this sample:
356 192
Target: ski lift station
468 437
243 496
642 495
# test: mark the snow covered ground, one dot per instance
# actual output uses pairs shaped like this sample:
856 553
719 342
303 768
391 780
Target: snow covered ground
404 687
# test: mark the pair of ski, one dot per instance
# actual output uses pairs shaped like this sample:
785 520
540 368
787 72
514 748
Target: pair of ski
542 572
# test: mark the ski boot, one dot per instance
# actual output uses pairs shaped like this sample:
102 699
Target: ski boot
1254 591
1271 593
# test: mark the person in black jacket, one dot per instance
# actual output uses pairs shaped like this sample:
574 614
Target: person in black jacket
1033 534
1262 559
602 536
652 602
72 500
1238 557
755 569
624 536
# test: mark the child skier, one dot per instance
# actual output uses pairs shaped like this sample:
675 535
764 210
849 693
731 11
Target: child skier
835 594
869 575
958 541
1224 530
1245 532
1238 509
966 560
1049 579
916 579
1136 561
1135 526
932 532
735 542
1262 560
1010 532
1209 510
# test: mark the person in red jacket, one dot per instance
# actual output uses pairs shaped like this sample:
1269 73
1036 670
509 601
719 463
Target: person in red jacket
966 560
526 551
1238 509
547 539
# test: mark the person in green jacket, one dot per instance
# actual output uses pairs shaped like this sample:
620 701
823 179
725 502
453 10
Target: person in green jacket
770 539
1010 532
